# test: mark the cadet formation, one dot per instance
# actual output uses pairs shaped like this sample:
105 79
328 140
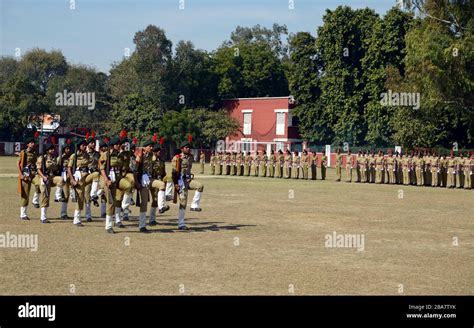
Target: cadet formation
418 168
108 179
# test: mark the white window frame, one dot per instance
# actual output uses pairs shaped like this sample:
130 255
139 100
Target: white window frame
247 131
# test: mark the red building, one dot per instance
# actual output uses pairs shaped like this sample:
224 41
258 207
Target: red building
266 124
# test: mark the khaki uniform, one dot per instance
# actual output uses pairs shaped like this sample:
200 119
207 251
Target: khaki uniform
190 184
460 172
305 160
212 163
451 172
287 166
227 163
338 167
82 177
263 165
239 162
371 168
119 184
296 167
391 170
233 164
419 171
50 170
324 162
468 173
279 165
29 171
247 164
158 175
271 166
435 171
349 167
94 171
379 168
255 161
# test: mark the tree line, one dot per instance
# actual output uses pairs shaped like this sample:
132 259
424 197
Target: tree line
337 78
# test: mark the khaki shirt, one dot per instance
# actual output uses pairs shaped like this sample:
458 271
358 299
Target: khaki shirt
51 163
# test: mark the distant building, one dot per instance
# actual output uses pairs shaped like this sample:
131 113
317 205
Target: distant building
267 123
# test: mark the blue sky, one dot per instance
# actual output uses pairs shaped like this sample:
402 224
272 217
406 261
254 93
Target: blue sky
96 32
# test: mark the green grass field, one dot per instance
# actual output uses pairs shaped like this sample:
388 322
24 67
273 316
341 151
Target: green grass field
252 237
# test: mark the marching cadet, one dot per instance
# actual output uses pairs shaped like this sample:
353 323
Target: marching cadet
111 169
305 163
314 165
184 181
296 165
144 180
468 171
338 165
63 164
255 160
103 148
451 172
127 153
27 174
349 166
361 167
379 167
324 163
288 162
90 192
157 187
371 161
47 166
79 177
460 170
399 168
271 165
212 163
239 163
279 164
248 163
202 161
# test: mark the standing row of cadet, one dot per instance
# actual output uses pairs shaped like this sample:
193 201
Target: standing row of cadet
417 168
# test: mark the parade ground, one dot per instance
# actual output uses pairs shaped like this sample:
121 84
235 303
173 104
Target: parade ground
255 236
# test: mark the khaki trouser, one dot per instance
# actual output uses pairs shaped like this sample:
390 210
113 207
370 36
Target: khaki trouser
156 186
219 169
419 177
323 172
213 169
246 169
46 189
434 177
192 185
338 173
271 170
467 178
80 187
114 194
314 172
26 187
305 171
287 170
406 176
348 173
451 178
202 167
296 172
239 169
379 175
